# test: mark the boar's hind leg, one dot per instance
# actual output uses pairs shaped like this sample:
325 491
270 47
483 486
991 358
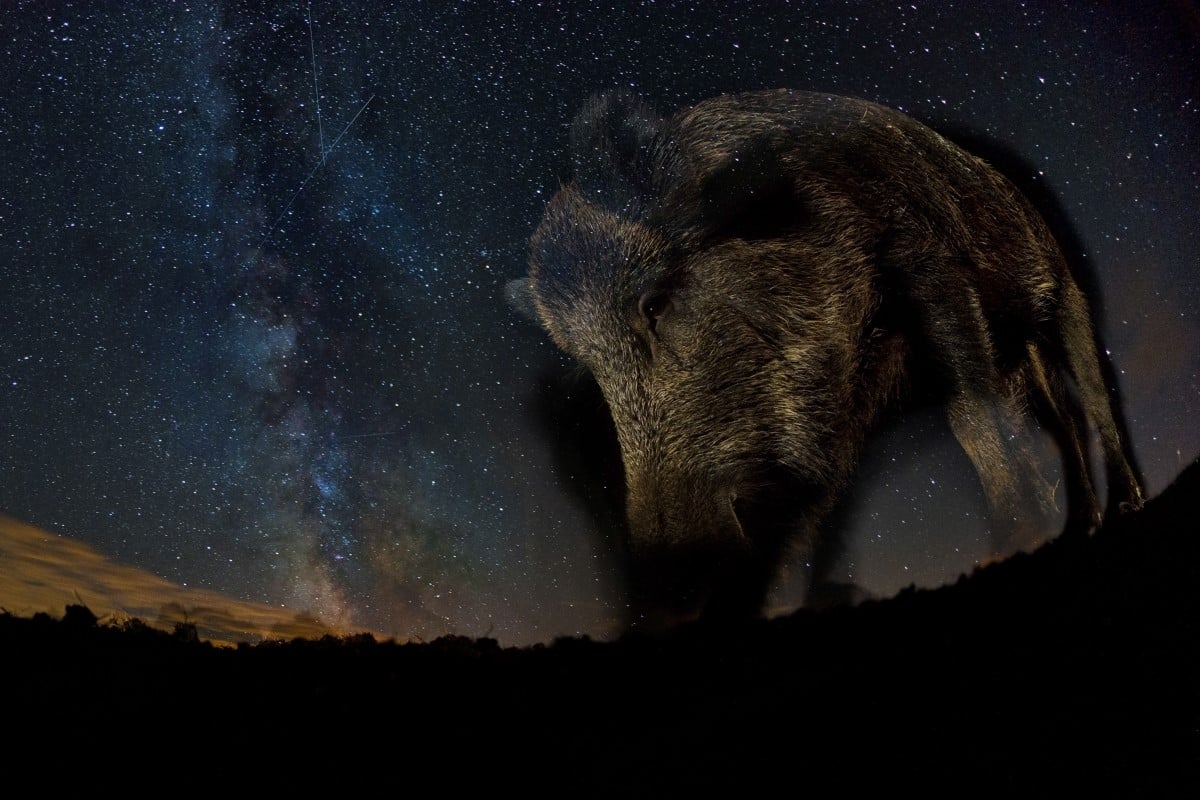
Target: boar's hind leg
1018 496
1083 362
1061 414
981 414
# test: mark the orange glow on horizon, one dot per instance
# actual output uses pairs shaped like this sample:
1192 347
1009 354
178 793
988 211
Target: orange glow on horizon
42 571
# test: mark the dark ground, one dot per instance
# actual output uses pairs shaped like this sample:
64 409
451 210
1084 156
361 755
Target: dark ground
1069 671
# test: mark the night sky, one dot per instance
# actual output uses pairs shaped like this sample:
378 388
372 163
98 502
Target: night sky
252 258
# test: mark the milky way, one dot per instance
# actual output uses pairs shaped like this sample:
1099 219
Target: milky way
252 258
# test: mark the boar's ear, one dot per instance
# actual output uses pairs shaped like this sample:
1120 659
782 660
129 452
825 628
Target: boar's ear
519 296
613 142
751 193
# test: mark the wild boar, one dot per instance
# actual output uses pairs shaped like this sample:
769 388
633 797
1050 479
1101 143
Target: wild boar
756 280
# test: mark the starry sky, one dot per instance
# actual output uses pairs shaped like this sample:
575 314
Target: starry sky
252 258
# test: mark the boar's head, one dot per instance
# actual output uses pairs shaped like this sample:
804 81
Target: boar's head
720 306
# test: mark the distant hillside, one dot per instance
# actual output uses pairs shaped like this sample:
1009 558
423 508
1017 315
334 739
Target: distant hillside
1071 670
41 571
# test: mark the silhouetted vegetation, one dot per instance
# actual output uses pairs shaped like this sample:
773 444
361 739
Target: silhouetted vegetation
1069 670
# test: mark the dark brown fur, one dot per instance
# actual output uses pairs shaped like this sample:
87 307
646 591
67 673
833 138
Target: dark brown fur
755 281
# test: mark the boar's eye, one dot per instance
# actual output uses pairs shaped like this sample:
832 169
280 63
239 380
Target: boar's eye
653 306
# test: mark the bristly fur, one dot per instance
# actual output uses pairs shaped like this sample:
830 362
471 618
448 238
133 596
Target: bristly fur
756 280
615 143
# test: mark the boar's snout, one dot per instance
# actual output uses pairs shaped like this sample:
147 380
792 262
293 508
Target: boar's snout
688 553
671 518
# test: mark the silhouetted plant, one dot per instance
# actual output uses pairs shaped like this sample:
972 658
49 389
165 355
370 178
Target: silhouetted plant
186 632
79 617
